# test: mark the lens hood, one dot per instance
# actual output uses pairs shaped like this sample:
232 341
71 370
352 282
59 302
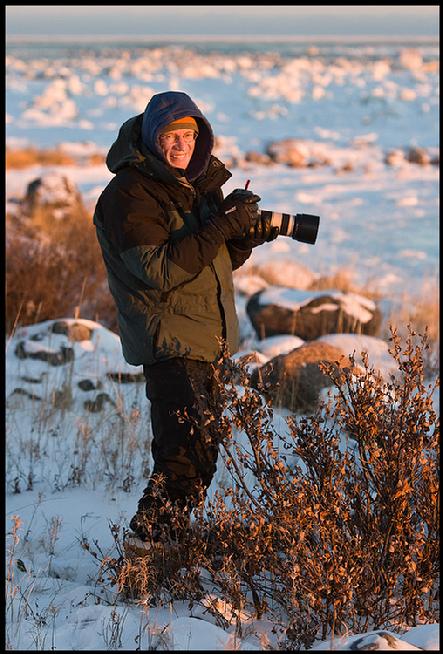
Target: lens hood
306 228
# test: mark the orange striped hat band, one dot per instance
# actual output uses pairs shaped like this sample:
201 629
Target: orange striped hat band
187 122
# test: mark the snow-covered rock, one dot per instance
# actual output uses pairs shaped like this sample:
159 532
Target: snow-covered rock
79 360
295 380
374 640
310 314
52 196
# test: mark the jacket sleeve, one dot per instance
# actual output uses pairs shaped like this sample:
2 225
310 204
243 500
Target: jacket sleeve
137 226
239 251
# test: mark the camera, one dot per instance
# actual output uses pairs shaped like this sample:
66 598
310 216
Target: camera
300 226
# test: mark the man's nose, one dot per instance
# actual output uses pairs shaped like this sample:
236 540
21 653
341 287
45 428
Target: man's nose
179 139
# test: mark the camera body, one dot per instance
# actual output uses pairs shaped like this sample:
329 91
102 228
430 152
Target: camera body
300 226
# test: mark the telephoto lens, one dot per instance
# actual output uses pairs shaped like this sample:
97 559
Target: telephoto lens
300 226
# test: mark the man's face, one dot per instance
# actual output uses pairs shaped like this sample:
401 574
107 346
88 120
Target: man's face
178 147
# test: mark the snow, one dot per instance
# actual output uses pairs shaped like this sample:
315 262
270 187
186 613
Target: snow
425 636
346 104
281 344
188 634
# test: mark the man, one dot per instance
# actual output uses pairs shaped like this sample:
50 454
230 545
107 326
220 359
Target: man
170 243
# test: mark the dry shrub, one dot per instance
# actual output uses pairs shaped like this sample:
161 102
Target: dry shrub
338 529
341 528
56 274
422 311
24 157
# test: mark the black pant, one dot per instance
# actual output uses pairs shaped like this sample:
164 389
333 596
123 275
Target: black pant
184 451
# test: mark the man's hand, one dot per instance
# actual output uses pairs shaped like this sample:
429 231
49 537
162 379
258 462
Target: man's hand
238 214
263 231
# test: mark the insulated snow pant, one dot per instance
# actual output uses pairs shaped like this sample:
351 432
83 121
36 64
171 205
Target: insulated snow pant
185 451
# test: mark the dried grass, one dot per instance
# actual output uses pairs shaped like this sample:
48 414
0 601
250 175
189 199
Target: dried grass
19 158
56 274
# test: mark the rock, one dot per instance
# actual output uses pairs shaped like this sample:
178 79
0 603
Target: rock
413 155
418 156
394 157
69 361
37 337
94 406
287 151
294 380
32 380
319 161
88 385
308 315
22 391
346 167
75 331
258 158
53 357
52 197
298 153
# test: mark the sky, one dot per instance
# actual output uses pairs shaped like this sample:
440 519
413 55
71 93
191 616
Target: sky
179 20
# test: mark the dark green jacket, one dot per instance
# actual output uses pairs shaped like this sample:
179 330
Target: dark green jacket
169 270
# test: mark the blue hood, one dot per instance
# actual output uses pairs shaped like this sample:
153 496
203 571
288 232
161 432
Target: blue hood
162 109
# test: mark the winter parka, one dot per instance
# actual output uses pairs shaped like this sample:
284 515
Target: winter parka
169 269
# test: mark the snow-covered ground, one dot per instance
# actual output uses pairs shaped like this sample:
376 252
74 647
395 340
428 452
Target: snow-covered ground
72 471
69 474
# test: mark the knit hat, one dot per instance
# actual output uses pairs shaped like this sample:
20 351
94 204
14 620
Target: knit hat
187 122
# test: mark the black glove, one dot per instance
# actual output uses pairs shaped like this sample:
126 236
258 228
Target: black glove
238 214
263 231
260 233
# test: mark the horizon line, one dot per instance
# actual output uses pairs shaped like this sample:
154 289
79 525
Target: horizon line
219 37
